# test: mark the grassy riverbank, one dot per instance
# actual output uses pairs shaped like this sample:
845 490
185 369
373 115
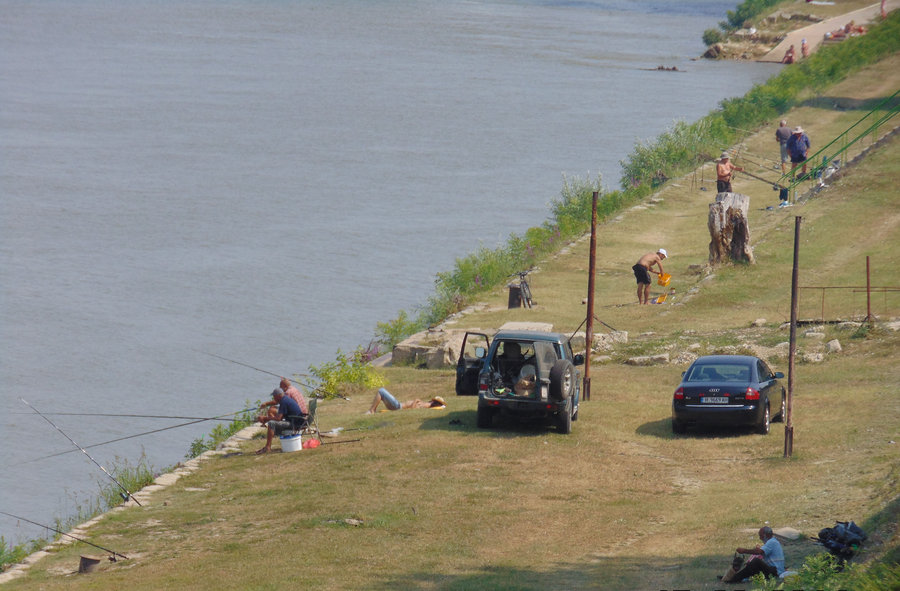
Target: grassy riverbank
425 500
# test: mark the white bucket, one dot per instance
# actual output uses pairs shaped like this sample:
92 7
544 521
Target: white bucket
291 443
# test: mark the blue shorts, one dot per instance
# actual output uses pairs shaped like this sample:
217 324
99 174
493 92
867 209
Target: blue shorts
389 401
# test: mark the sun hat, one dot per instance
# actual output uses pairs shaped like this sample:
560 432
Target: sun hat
663 252
439 400
724 155
798 129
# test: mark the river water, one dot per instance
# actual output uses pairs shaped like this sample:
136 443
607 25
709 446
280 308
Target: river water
265 180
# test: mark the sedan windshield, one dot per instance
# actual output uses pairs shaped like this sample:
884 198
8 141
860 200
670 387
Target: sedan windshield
718 372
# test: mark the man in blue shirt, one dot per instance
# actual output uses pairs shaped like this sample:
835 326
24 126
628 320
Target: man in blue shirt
288 417
798 147
767 558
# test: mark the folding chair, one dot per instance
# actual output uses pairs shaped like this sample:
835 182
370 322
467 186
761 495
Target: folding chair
312 420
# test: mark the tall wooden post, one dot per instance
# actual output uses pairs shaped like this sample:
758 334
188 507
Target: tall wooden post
589 324
792 351
869 318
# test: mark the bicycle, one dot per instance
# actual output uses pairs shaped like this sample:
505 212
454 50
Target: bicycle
525 298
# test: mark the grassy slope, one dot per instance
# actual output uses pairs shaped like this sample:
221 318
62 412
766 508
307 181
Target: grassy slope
620 503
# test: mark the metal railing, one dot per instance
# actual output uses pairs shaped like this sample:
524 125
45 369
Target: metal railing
830 154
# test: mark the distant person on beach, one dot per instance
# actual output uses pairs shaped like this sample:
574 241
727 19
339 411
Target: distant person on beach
804 48
798 147
287 418
724 171
782 135
642 270
392 403
788 56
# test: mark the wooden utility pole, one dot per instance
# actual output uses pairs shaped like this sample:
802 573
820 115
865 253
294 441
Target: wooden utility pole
792 350
589 323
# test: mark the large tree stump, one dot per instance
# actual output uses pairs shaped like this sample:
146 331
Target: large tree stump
729 230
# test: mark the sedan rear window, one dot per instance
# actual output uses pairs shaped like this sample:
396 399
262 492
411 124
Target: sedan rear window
719 372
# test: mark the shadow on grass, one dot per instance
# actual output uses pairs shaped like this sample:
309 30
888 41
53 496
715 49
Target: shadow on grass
840 103
595 572
663 430
467 420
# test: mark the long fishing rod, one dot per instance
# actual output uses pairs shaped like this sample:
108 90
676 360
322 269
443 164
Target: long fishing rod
100 414
85 453
62 533
313 389
133 436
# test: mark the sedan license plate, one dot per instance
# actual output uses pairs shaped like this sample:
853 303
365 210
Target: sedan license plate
714 400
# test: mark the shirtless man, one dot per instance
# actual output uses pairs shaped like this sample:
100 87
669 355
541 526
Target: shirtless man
724 171
393 404
642 271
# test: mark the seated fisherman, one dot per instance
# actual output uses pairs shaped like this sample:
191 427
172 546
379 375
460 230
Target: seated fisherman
288 417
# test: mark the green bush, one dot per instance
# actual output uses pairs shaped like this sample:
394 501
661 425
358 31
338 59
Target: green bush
712 36
747 11
389 334
346 372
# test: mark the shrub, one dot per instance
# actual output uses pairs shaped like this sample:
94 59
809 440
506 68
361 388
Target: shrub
712 36
389 334
345 373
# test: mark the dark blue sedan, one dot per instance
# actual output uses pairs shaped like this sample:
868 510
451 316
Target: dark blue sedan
728 390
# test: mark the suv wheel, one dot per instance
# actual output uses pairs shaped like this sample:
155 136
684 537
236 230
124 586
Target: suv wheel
562 379
564 420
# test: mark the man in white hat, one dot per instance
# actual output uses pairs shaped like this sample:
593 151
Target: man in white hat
798 147
724 171
642 271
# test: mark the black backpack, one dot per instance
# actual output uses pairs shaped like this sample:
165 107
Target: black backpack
842 540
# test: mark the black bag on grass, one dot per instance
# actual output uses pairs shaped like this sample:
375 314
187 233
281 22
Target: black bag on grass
842 540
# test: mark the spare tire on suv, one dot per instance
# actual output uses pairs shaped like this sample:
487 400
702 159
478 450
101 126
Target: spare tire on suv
562 379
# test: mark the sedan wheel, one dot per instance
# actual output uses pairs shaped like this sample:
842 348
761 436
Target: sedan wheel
763 427
781 413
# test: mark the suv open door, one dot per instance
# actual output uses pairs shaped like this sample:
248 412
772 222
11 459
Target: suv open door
474 348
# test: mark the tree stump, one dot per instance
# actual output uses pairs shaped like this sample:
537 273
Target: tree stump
729 230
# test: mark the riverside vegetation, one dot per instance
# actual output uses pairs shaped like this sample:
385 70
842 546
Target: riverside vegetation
425 500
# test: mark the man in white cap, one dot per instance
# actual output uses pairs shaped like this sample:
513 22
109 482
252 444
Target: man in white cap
724 171
642 271
798 147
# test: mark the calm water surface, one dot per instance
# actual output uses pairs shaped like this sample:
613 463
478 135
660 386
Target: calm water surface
266 180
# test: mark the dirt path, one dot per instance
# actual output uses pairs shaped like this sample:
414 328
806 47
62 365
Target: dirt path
815 34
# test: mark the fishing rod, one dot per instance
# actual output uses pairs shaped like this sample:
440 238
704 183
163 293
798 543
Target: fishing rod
124 497
62 533
313 389
220 417
96 414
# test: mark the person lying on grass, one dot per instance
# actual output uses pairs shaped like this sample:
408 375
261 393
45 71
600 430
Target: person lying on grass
393 404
